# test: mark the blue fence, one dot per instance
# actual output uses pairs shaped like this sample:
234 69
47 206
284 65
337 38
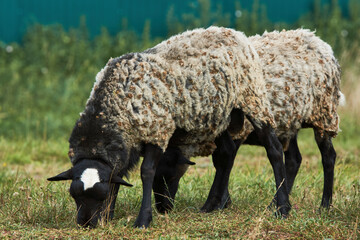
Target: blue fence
17 15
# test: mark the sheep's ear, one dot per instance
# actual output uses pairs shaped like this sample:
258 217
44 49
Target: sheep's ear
119 180
184 160
67 175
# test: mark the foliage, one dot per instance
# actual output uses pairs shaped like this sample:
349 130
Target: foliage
48 78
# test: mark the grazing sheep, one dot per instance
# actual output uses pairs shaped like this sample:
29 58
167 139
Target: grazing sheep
303 86
184 91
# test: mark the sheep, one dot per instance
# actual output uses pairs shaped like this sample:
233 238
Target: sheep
303 82
183 91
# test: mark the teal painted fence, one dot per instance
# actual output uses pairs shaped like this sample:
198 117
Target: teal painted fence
17 15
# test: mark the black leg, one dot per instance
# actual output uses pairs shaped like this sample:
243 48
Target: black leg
274 151
328 156
237 144
292 162
148 169
223 159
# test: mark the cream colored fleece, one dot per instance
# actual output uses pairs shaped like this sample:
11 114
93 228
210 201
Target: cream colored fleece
191 81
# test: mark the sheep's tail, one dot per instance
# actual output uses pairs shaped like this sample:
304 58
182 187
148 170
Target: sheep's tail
342 100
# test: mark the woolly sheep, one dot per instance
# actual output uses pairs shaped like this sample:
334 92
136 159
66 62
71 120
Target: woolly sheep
184 91
303 86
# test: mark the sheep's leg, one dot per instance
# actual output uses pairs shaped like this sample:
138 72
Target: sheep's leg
292 162
274 152
148 168
223 159
328 156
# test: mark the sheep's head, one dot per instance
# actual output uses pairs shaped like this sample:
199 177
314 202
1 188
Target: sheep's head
100 157
94 189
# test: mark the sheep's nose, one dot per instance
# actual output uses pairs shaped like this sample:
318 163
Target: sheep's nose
85 222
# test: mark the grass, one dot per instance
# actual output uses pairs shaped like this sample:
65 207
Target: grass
31 207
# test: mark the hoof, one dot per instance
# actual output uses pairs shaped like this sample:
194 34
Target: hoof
142 222
282 212
215 204
164 208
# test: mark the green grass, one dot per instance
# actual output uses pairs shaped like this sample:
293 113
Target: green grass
31 207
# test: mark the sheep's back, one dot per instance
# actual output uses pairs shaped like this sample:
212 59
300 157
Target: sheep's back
302 80
191 81
212 71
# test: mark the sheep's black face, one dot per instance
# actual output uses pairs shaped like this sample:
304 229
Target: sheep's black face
172 166
94 190
90 203
91 191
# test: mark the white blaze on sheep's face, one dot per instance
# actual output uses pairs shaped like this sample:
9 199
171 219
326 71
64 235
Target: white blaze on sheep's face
90 177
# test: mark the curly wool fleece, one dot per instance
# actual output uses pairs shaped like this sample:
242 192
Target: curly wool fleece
303 86
191 81
302 81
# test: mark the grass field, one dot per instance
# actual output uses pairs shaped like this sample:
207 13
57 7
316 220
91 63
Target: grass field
31 207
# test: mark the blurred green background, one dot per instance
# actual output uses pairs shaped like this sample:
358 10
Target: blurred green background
50 51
